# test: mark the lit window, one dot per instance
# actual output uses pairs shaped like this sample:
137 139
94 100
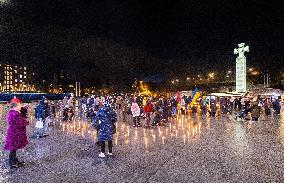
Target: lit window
25 68
16 80
21 76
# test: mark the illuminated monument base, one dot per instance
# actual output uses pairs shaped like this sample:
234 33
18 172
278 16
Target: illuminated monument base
241 70
241 83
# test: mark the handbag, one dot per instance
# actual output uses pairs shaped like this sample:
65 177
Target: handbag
39 123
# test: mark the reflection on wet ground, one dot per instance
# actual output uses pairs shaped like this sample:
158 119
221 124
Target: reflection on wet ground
188 149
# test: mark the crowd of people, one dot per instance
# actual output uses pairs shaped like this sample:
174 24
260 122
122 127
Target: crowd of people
140 111
156 111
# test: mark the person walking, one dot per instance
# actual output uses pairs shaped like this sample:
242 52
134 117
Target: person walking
135 109
174 106
147 111
255 110
267 107
276 106
204 106
213 107
39 116
182 106
16 137
104 122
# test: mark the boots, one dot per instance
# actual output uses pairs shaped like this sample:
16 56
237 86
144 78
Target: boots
15 163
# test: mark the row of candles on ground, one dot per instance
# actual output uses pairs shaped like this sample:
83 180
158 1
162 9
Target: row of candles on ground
172 130
168 132
79 128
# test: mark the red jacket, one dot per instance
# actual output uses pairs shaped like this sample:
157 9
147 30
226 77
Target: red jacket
147 108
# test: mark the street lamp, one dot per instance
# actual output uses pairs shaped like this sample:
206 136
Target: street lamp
211 75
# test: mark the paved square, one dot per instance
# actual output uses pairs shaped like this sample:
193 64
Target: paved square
189 149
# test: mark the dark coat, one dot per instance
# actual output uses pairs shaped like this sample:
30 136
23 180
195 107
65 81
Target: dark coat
104 122
255 110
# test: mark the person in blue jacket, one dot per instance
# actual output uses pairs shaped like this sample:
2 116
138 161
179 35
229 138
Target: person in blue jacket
39 115
276 106
39 110
104 122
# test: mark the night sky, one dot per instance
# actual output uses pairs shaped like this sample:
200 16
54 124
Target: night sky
103 39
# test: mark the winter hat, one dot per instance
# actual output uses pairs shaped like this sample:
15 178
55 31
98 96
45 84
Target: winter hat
15 100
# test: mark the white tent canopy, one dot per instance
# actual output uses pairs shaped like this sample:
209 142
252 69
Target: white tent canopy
227 94
266 92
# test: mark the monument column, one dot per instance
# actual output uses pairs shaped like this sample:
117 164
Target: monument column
241 70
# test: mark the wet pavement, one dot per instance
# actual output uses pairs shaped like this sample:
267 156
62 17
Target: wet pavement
189 149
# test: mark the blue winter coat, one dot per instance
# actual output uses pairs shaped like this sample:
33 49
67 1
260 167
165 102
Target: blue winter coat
104 122
39 112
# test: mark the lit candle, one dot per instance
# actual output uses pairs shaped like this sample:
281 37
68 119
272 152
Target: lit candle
115 141
136 134
154 137
163 140
146 143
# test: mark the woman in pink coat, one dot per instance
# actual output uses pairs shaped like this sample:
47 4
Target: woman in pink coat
16 137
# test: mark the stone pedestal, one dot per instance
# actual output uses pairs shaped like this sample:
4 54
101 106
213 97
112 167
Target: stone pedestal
241 74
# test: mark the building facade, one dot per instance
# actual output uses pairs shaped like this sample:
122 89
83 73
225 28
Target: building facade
16 78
